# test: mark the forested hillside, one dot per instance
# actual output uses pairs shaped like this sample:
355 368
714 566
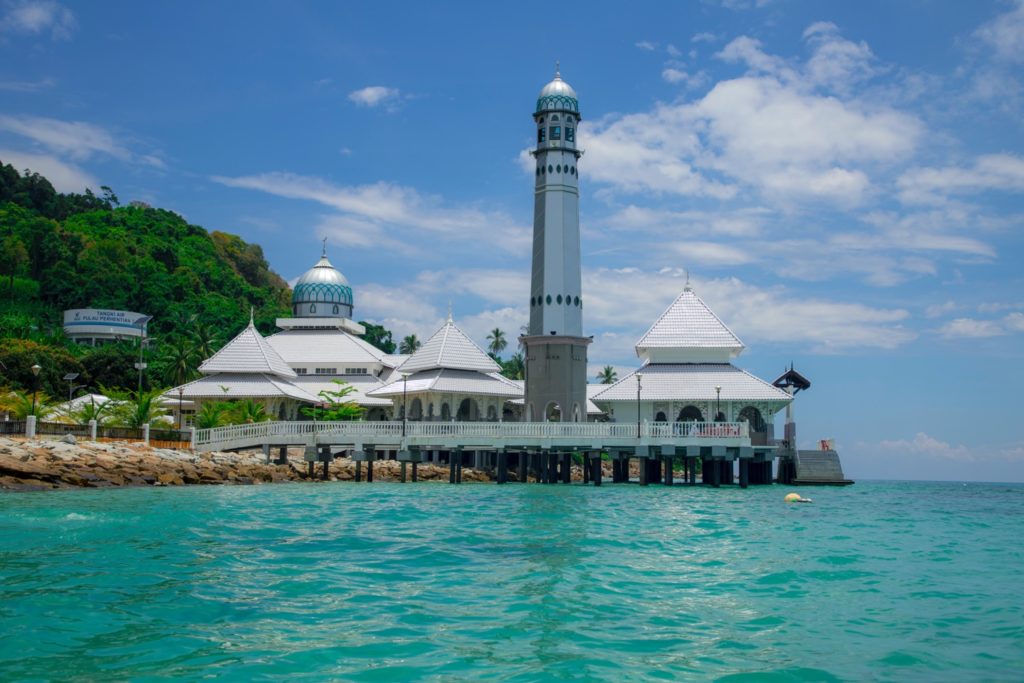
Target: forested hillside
61 251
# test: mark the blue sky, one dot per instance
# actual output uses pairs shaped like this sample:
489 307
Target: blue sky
843 181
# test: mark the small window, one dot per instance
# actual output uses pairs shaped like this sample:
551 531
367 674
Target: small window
555 132
312 308
554 117
549 299
301 371
335 311
540 134
570 134
533 301
572 170
542 171
559 299
576 301
568 300
551 169
558 169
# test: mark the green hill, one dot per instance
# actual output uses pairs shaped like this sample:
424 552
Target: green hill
61 251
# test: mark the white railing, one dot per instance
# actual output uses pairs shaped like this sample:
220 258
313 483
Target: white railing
238 436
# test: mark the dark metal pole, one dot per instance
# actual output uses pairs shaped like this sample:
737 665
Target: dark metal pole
405 402
35 385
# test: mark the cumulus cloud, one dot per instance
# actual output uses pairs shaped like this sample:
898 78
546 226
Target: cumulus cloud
77 140
36 17
398 214
376 96
923 445
975 328
646 45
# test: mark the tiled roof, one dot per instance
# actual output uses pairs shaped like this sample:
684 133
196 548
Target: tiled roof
242 385
691 382
444 380
689 323
362 384
450 348
335 347
248 352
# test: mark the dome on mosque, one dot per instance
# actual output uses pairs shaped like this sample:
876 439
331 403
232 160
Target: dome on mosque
322 292
557 95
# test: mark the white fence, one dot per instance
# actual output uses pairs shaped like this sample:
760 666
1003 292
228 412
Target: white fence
454 433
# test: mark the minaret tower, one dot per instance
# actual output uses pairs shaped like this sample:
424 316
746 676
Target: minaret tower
556 350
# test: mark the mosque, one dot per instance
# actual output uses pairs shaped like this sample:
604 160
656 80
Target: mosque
685 375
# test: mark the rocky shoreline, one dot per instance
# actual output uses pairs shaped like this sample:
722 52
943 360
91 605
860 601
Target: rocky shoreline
40 465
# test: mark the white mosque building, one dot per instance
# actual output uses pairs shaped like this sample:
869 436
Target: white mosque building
686 373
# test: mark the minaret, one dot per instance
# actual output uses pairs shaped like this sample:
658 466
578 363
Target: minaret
556 351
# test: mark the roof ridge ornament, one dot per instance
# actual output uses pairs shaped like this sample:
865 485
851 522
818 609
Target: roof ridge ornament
687 288
558 69
323 254
450 320
252 309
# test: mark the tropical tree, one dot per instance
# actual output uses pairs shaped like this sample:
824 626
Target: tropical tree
497 341
608 375
178 361
514 367
379 336
212 414
338 406
247 412
87 412
134 409
21 404
205 340
409 344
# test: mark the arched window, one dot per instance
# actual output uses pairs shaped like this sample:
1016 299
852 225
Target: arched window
492 414
555 132
549 299
554 117
754 417
540 134
446 412
570 134
312 308
553 413
559 299
690 414
660 417
335 309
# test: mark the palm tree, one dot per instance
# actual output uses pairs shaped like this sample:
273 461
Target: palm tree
179 361
607 375
205 340
409 344
497 341
212 414
92 411
514 367
249 411
21 404
134 409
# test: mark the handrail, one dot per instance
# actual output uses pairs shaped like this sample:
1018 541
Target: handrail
258 432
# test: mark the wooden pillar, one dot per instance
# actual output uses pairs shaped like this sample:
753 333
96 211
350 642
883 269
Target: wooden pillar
282 456
716 473
567 467
312 470
586 469
415 472
369 471
402 470
521 470
326 472
595 462
359 470
668 470
502 467
645 471
744 472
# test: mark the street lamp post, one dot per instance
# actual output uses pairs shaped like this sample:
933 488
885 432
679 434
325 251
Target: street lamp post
142 323
638 405
181 417
35 385
718 403
405 403
70 379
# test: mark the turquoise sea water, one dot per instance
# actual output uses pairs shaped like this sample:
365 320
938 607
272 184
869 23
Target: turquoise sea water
880 581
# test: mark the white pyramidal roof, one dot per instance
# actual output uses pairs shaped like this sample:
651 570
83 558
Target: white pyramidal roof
248 352
335 347
692 382
448 381
227 386
688 331
450 348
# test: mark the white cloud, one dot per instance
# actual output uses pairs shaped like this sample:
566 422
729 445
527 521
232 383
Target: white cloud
64 177
971 328
988 172
704 37
647 45
393 212
39 16
923 445
1005 34
673 51
75 139
711 254
836 62
375 96
939 310
27 86
675 75
1014 322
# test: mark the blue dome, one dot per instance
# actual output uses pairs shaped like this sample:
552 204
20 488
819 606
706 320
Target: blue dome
557 96
322 291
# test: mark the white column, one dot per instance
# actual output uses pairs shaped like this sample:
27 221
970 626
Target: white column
92 430
30 426
145 434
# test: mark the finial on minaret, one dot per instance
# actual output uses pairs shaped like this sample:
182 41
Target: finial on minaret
323 254
252 310
450 311
558 69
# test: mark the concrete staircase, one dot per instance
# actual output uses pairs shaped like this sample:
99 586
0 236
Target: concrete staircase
820 468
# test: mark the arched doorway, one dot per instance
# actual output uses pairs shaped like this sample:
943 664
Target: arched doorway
416 410
577 414
468 411
690 414
492 414
446 412
552 413
430 412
